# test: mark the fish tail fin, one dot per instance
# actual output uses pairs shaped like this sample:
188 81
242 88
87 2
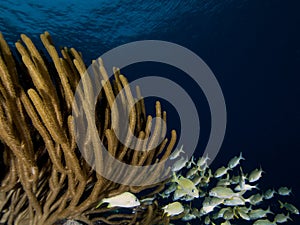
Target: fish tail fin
175 178
281 204
227 176
241 156
235 214
247 200
181 149
269 210
288 217
193 161
242 172
260 168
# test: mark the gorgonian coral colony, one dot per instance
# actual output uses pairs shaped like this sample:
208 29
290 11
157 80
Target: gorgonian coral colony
43 176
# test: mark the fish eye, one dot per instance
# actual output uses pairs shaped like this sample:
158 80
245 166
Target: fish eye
193 190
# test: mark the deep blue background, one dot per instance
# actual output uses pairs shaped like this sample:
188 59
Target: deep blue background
252 46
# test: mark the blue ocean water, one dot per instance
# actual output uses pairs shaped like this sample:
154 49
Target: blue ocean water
252 46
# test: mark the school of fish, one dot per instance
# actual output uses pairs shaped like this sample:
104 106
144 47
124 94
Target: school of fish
223 197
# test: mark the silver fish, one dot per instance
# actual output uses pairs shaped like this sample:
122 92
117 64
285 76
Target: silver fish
282 218
235 161
269 194
255 175
179 164
202 161
244 215
174 208
222 192
126 200
192 172
208 201
186 185
197 179
255 199
164 195
291 208
221 172
178 194
264 222
176 153
171 188
206 209
284 191
147 201
234 201
245 187
259 213
224 182
221 213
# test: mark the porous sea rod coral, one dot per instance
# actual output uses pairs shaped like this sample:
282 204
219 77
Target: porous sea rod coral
44 178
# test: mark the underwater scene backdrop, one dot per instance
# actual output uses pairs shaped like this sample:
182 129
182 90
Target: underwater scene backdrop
252 47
